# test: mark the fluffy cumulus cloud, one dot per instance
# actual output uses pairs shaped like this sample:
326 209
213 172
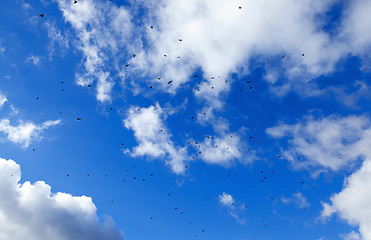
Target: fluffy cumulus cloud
221 38
32 211
221 150
353 202
329 143
25 132
153 137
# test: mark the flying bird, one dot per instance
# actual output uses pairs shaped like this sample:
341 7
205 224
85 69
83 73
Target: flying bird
42 15
169 82
75 1
78 119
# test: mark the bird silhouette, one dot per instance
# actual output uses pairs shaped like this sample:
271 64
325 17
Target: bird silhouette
75 1
169 82
42 15
78 119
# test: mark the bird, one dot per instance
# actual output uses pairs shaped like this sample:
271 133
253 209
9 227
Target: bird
78 119
279 156
169 82
68 175
239 7
37 98
302 54
75 1
89 85
152 27
127 65
33 149
180 40
134 55
150 86
283 56
42 15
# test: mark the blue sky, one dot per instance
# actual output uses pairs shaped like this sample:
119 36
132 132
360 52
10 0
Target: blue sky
199 119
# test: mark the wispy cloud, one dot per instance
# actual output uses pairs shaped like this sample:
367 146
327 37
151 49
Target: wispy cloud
297 199
329 143
3 99
25 132
235 209
33 59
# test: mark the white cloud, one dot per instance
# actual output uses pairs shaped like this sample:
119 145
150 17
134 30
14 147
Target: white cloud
3 99
353 202
352 236
33 59
328 143
226 199
58 41
220 150
221 38
298 199
33 212
235 209
25 132
101 30
153 137
356 22
217 37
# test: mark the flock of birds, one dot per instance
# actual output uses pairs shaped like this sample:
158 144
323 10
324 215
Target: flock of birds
197 143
